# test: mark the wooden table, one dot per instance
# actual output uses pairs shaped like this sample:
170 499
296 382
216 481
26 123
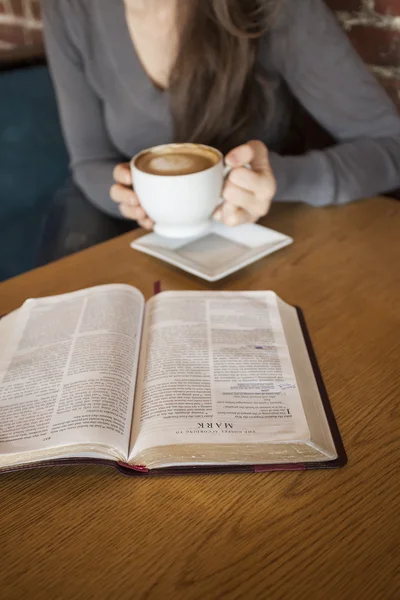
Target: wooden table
87 532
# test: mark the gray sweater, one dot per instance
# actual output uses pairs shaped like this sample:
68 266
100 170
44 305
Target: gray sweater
110 109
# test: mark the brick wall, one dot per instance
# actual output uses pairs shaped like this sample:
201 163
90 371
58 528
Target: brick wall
373 27
20 29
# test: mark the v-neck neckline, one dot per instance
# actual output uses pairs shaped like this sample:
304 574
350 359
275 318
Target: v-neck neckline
126 60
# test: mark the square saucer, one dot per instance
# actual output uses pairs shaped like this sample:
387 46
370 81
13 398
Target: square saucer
217 253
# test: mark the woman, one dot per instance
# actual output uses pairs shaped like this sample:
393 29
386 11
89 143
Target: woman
134 74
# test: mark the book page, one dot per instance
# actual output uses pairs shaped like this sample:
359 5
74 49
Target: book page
215 369
314 411
67 370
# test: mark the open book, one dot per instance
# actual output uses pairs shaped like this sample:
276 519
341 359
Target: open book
186 381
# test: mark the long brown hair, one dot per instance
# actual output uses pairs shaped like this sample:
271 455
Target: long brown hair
217 85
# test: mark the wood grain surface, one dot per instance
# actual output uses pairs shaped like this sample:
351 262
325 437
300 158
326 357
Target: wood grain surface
88 532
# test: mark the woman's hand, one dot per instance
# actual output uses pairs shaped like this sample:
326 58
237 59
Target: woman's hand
248 193
122 193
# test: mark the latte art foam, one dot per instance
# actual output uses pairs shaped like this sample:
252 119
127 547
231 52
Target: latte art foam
173 163
177 159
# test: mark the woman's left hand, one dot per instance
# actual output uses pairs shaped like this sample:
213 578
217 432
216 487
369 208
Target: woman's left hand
248 193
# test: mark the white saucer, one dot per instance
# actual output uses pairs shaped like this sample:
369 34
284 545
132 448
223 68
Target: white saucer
217 253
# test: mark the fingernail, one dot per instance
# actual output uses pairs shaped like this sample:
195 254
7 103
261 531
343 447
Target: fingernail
232 221
218 215
232 159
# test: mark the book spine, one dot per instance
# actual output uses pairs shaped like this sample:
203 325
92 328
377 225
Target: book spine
288 467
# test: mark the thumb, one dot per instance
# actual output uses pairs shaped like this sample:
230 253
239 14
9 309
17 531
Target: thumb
122 174
254 153
260 161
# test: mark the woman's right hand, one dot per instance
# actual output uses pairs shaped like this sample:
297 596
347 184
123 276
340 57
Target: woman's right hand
122 193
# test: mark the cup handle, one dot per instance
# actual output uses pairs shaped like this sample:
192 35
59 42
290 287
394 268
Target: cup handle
227 170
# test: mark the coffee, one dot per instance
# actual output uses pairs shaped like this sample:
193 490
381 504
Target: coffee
177 159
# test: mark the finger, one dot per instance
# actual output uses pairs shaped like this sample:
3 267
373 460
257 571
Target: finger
135 213
241 198
122 174
225 213
233 215
241 217
123 195
146 223
256 206
217 216
262 185
254 153
247 179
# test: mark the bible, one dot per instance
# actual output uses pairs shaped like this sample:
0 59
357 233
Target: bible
188 382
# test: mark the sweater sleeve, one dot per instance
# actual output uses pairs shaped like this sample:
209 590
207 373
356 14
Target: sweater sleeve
316 60
92 154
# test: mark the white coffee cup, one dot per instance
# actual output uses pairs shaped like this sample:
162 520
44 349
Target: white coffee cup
181 206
